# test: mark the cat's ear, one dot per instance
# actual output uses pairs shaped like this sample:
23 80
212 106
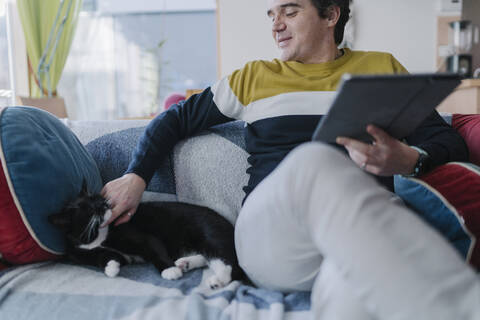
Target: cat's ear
61 220
84 191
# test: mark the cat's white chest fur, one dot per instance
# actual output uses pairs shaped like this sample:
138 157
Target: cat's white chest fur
102 234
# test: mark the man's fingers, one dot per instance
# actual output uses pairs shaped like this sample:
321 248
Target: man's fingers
116 212
378 134
112 218
121 220
353 144
117 217
124 218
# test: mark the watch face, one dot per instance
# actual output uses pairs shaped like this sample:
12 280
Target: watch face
422 164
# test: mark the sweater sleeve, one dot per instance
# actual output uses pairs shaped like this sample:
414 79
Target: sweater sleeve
439 140
180 121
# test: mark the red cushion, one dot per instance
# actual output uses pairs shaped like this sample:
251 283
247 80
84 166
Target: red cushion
16 244
468 125
459 184
448 198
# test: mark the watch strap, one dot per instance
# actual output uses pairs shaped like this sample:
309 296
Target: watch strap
422 163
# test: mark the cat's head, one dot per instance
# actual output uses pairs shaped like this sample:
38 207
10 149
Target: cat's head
82 219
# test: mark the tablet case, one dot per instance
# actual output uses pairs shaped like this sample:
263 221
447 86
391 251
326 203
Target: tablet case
397 104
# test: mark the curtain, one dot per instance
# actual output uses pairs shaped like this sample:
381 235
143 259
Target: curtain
117 74
88 83
49 27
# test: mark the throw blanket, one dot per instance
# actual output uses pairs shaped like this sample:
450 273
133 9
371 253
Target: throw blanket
55 290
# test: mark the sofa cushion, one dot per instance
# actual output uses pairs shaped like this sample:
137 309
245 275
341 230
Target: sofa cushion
43 167
191 172
211 169
113 152
448 199
468 125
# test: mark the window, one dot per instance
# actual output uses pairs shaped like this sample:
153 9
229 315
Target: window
125 60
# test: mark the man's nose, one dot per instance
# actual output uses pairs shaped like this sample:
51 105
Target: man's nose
278 25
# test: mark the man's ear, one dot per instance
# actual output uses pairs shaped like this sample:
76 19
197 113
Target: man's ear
61 220
333 14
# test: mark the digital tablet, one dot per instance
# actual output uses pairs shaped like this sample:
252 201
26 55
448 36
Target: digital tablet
395 103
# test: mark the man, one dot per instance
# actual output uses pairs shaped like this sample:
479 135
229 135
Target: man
313 218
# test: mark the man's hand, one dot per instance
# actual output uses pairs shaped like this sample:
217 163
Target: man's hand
123 195
386 156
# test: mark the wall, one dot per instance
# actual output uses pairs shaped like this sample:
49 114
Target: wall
244 33
471 11
406 28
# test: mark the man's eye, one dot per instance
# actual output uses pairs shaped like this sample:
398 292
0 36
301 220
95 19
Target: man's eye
291 14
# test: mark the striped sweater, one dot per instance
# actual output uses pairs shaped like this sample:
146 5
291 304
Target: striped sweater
281 103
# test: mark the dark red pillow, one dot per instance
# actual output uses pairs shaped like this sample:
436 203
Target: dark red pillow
448 198
468 125
16 244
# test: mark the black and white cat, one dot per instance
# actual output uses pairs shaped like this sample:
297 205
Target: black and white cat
175 237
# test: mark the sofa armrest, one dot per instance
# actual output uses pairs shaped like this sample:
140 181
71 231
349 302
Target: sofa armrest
87 130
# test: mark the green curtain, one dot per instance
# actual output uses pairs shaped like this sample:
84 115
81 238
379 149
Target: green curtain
49 26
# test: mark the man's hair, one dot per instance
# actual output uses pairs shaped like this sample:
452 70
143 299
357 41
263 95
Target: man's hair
323 7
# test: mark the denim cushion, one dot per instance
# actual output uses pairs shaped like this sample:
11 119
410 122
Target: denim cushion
43 167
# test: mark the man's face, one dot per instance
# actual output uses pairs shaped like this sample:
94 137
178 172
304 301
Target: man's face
299 32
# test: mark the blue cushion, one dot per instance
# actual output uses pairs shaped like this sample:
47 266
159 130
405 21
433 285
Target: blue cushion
113 152
46 165
448 199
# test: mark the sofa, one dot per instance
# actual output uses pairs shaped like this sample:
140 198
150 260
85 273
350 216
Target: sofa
36 283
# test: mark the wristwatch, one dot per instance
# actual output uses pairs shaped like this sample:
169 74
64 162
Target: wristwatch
421 166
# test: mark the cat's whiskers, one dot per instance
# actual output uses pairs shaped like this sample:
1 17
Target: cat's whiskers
90 228
101 236
86 231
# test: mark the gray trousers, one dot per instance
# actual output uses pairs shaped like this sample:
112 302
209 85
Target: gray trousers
318 222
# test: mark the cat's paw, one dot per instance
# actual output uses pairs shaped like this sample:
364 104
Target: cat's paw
183 264
215 282
222 274
191 262
112 268
172 273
